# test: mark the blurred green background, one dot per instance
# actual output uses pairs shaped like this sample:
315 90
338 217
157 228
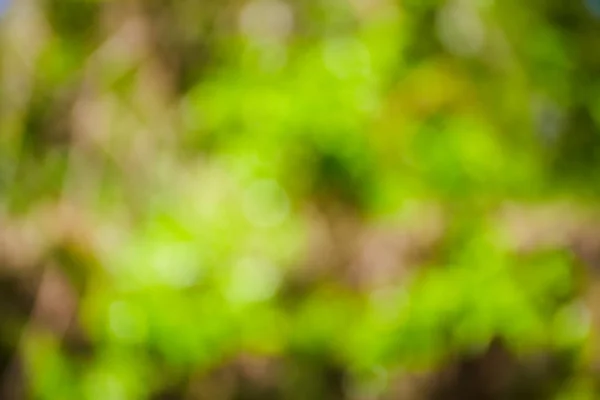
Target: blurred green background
318 199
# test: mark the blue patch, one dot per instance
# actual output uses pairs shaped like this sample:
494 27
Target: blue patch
593 6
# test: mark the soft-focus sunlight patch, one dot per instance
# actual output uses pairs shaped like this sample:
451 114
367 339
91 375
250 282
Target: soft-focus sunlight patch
253 280
347 58
572 324
366 9
271 59
103 385
265 203
460 28
210 191
266 21
177 264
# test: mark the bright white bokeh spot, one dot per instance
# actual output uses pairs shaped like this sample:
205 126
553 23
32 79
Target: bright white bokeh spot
265 203
460 28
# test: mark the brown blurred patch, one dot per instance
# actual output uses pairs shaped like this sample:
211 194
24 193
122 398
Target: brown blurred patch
369 255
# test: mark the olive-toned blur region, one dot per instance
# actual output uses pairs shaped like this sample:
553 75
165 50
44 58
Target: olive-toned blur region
299 199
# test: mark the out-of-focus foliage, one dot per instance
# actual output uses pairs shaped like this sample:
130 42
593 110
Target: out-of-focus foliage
358 199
